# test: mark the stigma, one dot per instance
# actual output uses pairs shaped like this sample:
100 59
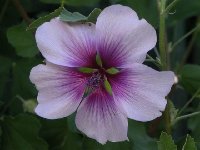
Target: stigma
95 80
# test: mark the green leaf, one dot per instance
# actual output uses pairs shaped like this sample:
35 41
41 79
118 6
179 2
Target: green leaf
189 144
107 86
54 131
72 17
71 140
89 3
112 70
86 70
59 136
0 137
193 125
21 83
166 142
71 123
23 41
138 136
35 24
173 111
77 17
5 64
190 78
93 15
91 144
21 133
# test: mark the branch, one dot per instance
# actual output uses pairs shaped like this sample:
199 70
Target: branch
22 11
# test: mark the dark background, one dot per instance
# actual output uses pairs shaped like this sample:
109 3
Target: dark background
21 129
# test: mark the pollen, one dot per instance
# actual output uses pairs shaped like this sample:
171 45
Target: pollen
95 80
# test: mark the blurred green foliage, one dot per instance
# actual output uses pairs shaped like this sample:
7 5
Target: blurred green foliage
22 130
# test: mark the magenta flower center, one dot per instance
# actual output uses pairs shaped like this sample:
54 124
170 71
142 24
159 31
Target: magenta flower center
98 77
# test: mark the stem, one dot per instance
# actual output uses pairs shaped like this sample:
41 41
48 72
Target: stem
162 40
185 36
167 119
62 3
20 98
170 6
21 11
191 99
163 57
156 52
188 51
4 9
186 116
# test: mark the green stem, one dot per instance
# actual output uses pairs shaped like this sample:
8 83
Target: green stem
163 57
185 117
191 99
62 3
188 51
162 40
167 119
170 6
185 36
22 11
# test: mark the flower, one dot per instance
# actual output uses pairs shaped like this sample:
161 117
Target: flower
97 71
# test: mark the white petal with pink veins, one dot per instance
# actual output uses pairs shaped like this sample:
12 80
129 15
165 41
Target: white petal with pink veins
66 45
122 37
100 118
142 90
60 90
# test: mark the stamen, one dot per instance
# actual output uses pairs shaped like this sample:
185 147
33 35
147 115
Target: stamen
95 80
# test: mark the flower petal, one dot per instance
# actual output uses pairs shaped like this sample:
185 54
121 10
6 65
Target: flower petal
66 45
60 90
99 117
122 37
142 91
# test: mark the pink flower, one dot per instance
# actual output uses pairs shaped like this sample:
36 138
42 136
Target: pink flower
120 41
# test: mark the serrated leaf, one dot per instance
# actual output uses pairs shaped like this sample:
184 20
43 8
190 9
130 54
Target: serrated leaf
43 19
23 41
21 133
166 142
77 17
112 70
93 15
193 125
72 17
189 144
190 77
173 111
90 3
